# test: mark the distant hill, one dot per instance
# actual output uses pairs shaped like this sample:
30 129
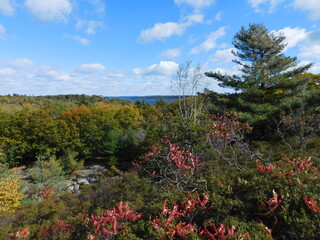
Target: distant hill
82 99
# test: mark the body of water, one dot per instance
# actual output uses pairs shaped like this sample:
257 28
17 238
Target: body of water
148 99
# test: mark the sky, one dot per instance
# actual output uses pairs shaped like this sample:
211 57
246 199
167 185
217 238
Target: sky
133 47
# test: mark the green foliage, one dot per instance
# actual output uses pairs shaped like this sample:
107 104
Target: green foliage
244 196
268 77
30 133
47 173
70 163
111 142
97 131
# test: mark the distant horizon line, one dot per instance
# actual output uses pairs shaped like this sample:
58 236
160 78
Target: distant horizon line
130 96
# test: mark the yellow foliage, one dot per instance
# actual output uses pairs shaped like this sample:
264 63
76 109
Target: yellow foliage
10 195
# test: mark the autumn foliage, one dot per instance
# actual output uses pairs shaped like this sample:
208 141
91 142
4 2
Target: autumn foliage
111 222
171 165
212 177
227 138
10 194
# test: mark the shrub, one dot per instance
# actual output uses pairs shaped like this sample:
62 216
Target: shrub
10 194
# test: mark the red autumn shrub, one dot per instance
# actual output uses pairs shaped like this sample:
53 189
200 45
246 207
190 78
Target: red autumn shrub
312 204
111 222
172 165
21 234
226 138
177 221
60 229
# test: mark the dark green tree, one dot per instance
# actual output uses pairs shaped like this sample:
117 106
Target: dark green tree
268 78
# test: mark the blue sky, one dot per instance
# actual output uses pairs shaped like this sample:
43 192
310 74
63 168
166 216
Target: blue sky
133 47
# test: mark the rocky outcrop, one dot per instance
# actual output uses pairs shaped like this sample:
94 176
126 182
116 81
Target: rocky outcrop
87 175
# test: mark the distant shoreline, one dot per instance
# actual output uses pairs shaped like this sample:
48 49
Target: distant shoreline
148 99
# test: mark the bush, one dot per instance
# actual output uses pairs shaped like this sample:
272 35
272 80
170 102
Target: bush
10 194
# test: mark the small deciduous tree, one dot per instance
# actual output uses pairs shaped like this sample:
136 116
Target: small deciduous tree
172 165
299 123
10 195
186 82
227 139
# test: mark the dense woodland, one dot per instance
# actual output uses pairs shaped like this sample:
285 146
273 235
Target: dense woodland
243 165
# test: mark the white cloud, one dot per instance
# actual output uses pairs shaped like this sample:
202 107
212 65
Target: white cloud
171 53
310 51
157 71
49 10
218 16
44 80
97 7
223 56
308 42
90 68
6 7
210 42
6 71
162 31
271 3
311 6
229 71
81 40
293 36
315 69
90 27
116 74
21 63
50 80
3 32
311 47
52 74
196 3
193 18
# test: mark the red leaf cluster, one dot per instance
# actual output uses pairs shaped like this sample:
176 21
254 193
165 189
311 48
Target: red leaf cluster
220 233
291 167
21 234
301 164
171 224
312 204
59 229
183 159
273 203
228 127
46 193
114 219
265 169
171 164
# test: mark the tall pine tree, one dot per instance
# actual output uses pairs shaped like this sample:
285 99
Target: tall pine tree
268 78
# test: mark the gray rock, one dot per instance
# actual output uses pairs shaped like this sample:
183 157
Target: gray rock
70 188
76 188
82 181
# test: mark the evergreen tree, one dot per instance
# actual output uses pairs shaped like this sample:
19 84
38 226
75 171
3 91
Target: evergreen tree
268 77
